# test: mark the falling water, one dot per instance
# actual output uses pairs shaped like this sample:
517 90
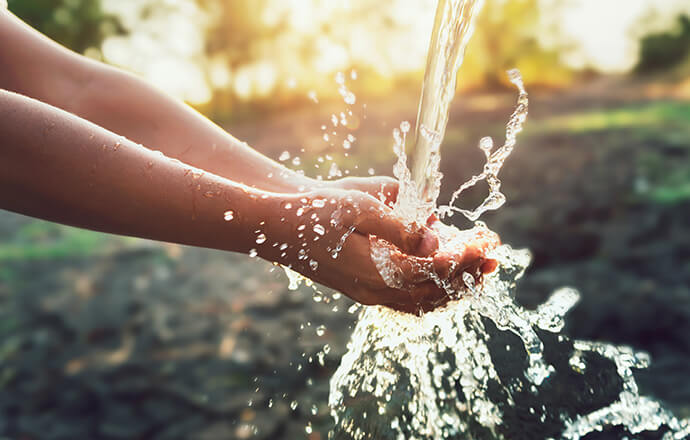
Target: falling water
481 367
453 27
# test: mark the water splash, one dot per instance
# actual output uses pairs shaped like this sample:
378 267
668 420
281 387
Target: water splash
494 161
457 372
482 366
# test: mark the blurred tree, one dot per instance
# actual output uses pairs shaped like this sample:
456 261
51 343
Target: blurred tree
77 24
282 47
664 50
507 36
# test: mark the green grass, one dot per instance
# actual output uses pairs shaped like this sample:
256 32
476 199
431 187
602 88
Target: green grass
41 240
659 127
661 115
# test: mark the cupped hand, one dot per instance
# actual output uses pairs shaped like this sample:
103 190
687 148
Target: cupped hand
325 235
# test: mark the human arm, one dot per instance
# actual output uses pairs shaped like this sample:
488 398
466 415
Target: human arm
35 66
56 166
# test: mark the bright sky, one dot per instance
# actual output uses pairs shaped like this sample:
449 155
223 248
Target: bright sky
602 29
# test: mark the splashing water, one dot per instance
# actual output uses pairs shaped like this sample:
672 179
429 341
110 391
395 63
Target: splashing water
482 366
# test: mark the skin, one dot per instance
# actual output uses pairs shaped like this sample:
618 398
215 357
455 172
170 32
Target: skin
71 136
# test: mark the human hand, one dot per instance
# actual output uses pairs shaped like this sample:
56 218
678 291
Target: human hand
382 188
325 235
461 253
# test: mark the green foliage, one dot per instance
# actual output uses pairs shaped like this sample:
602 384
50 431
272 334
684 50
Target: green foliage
664 50
76 24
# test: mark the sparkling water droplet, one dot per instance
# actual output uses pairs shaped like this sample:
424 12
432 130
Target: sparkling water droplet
228 216
296 161
319 229
260 239
350 98
313 264
318 203
253 253
293 405
405 126
468 279
321 330
285 155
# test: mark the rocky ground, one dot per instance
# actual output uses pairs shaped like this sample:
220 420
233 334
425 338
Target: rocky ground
104 337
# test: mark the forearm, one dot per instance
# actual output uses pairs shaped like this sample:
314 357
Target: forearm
122 103
129 106
56 166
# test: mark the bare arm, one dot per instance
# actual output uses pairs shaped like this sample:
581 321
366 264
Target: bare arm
59 167
37 67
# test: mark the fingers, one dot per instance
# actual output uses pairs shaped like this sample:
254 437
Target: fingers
374 219
380 187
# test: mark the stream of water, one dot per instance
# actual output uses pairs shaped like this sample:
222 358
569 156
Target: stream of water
481 366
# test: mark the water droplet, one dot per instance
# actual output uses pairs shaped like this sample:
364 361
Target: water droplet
285 155
260 239
228 215
253 253
347 144
321 330
405 126
308 429
296 161
293 405
319 229
313 264
318 203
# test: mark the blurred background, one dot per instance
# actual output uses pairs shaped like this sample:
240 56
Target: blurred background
119 338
